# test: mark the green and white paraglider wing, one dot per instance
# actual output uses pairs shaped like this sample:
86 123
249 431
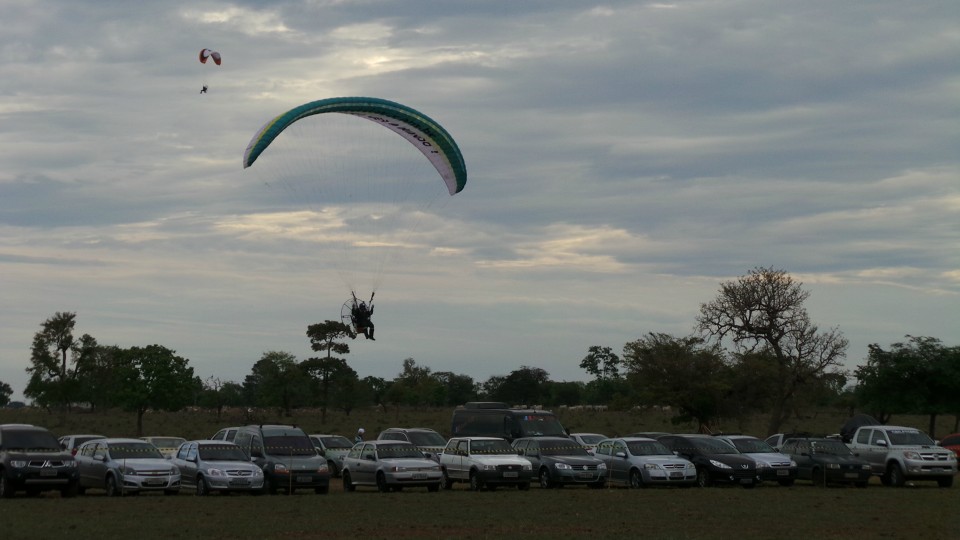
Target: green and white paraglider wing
417 128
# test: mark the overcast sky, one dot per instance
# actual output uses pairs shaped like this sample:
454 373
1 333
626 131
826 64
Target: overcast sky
624 159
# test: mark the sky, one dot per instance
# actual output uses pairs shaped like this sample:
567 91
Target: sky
624 159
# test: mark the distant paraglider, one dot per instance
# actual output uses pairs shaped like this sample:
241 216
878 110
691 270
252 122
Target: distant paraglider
208 54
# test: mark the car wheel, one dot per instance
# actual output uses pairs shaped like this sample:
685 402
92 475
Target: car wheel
896 476
382 486
703 478
347 484
945 481
545 479
6 489
203 488
475 482
445 481
433 487
111 487
817 478
636 479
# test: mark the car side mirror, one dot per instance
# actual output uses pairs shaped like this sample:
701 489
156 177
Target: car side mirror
881 442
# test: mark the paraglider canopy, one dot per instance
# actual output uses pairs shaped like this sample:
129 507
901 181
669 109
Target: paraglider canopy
206 54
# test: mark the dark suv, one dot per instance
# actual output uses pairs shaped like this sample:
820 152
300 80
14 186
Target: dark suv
31 460
426 440
716 461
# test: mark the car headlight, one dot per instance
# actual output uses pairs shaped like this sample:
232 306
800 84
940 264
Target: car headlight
527 466
689 465
719 465
280 468
562 466
910 454
322 468
651 466
793 463
833 465
866 467
257 472
18 464
128 470
215 472
71 464
761 465
602 467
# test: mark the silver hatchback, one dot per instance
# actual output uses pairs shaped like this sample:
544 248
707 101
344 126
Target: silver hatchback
121 466
209 466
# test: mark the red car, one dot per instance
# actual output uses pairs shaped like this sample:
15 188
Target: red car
951 442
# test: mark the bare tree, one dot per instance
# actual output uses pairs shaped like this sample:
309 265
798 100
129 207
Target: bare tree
763 312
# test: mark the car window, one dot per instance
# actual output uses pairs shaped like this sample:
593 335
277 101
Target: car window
368 452
878 436
464 446
134 450
426 438
909 437
619 446
218 452
182 451
788 447
648 448
394 451
603 447
336 442
100 450
864 436
521 444
567 447
773 440
355 452
192 451
752 446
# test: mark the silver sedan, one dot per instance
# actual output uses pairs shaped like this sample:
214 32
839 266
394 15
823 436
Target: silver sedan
389 465
121 466
209 466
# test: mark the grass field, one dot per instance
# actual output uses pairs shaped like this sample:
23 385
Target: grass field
802 511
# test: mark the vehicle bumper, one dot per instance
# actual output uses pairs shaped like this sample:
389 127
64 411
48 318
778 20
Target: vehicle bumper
299 479
928 470
568 476
659 476
727 476
150 483
850 476
235 483
43 479
771 474
506 477
419 478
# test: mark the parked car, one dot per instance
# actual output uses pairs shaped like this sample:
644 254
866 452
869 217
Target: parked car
32 460
772 465
484 461
560 461
167 445
209 466
648 434
640 461
122 466
496 419
777 439
898 454
715 460
426 440
824 461
389 466
225 434
588 440
952 443
70 443
287 457
333 448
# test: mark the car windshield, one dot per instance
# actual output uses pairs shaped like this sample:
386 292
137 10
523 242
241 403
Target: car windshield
426 438
562 448
134 450
337 442
540 425
753 446
289 445
167 442
491 447
830 448
591 439
648 448
222 452
713 446
901 437
397 451
30 440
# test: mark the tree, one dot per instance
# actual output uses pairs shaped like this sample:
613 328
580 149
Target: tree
685 373
154 377
763 312
218 394
526 385
49 379
5 392
323 337
602 363
457 389
921 376
276 380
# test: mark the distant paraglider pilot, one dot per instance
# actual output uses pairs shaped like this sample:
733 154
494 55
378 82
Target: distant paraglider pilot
204 89
361 314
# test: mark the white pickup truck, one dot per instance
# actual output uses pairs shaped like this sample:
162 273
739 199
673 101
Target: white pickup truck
898 454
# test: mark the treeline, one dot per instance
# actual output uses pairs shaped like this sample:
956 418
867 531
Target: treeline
755 351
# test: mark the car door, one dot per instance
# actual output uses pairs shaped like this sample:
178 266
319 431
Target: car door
602 453
85 466
100 464
533 455
187 459
619 461
460 469
366 467
800 452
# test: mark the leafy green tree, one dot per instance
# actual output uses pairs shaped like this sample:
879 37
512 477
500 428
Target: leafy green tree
602 363
377 388
217 394
154 377
457 389
921 376
277 380
324 338
763 312
415 386
5 392
50 380
685 373
526 385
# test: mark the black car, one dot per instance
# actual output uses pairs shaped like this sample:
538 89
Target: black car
823 461
31 460
716 461
560 461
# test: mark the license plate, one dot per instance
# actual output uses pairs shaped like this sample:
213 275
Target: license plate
783 472
584 475
420 476
511 474
746 481
851 475
676 475
304 478
240 482
154 482
48 472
